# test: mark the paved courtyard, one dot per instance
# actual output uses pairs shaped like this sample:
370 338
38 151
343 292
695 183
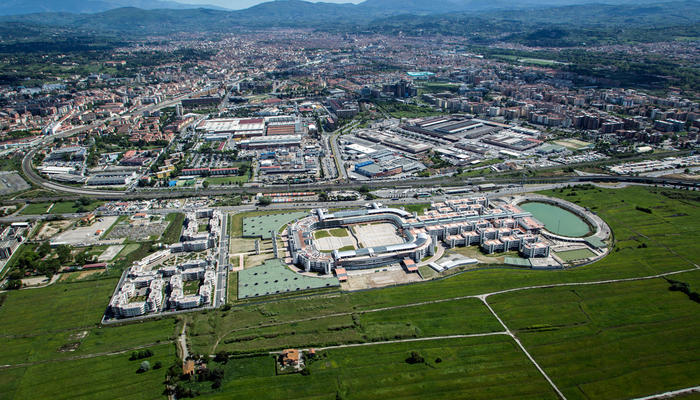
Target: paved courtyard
377 235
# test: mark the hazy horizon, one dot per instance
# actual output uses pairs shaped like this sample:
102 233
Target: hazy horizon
241 4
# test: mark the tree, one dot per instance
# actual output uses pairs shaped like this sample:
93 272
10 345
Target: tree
13 284
43 249
157 365
265 201
63 252
221 357
205 184
145 366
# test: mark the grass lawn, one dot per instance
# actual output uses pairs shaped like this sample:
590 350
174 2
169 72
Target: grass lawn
68 207
474 368
172 232
426 272
418 208
106 377
339 232
191 287
448 318
227 180
232 294
35 208
612 341
321 234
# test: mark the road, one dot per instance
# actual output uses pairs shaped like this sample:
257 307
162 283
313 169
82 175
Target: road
106 194
222 266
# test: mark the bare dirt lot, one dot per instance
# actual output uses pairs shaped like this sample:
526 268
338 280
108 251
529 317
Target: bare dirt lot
49 229
370 279
85 234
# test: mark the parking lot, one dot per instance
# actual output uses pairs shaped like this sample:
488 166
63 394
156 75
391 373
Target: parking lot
11 182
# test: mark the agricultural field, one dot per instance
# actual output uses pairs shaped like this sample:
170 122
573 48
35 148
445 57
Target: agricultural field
466 316
613 341
475 368
109 377
54 331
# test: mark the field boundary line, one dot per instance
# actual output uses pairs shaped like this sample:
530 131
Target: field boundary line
529 356
671 394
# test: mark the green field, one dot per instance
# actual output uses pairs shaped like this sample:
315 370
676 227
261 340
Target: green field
336 232
339 232
417 208
173 231
467 316
35 208
618 340
575 255
227 180
47 329
613 341
106 377
35 333
63 207
474 368
321 234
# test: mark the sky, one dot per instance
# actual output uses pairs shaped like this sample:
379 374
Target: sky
240 4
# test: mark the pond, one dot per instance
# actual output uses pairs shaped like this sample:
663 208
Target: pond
557 220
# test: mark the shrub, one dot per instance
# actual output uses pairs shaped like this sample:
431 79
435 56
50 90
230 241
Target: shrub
415 358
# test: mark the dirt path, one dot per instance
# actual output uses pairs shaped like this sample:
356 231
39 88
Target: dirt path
84 356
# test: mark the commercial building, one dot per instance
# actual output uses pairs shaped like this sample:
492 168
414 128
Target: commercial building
462 222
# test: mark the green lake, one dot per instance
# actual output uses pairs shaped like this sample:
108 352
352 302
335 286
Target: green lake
557 220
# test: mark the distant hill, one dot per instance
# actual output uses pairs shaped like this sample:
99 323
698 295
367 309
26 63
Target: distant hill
18 7
387 16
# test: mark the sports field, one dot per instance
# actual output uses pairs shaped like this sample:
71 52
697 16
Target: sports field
575 255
